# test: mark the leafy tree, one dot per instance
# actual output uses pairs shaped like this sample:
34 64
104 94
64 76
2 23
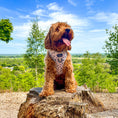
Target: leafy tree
94 73
111 48
6 29
35 47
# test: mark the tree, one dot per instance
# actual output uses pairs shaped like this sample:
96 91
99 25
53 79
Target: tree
6 29
35 47
111 48
94 72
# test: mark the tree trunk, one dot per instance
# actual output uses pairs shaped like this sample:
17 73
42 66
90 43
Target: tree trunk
60 105
36 72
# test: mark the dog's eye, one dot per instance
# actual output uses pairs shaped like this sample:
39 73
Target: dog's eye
57 29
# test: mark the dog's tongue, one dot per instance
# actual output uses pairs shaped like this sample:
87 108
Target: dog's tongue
66 41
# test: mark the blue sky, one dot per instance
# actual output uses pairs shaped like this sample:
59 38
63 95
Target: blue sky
88 19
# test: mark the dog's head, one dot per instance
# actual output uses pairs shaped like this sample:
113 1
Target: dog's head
59 37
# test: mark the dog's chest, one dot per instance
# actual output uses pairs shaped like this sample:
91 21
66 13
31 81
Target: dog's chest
59 59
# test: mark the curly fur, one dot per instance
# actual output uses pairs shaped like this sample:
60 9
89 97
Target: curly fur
53 42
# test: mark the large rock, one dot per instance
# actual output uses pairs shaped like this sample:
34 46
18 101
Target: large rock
60 105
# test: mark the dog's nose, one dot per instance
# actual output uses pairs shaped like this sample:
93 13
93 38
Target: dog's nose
67 30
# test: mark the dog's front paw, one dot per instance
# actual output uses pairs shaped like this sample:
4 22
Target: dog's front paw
46 93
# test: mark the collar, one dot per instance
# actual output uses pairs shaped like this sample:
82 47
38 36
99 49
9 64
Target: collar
59 59
55 55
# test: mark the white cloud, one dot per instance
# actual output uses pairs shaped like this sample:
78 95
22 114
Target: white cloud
39 6
97 30
89 3
101 17
22 10
72 2
89 41
12 47
76 23
7 13
53 6
13 44
109 18
4 9
21 31
38 12
25 17
60 15
72 19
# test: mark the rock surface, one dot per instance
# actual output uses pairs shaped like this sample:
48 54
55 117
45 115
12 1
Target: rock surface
60 105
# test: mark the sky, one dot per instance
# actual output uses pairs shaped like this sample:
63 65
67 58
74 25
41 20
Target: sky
88 19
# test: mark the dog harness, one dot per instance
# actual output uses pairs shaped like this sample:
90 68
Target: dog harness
59 59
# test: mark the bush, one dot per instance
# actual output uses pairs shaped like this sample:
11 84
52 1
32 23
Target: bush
18 80
95 74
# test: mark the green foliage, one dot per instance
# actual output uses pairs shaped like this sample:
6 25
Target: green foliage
20 68
11 56
0 67
94 72
111 48
11 62
76 60
6 29
18 80
35 47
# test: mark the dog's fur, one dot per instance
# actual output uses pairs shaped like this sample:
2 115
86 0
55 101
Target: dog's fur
52 42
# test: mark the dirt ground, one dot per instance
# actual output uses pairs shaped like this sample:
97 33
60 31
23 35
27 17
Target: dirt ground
110 100
10 102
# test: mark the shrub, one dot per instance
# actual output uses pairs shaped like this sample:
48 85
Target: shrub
95 74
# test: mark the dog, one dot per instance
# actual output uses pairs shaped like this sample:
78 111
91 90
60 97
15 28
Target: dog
58 69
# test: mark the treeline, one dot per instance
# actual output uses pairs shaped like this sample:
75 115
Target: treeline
22 55
11 62
11 56
103 55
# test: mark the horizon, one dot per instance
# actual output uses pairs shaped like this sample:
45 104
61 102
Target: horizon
88 19
45 53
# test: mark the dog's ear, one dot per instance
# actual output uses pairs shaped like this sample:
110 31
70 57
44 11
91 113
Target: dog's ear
48 40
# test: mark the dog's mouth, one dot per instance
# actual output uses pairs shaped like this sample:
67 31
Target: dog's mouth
64 40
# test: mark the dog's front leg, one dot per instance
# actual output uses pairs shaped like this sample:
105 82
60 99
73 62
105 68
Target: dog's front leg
70 83
48 88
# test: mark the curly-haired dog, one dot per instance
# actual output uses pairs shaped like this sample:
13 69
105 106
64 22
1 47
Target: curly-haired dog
59 69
